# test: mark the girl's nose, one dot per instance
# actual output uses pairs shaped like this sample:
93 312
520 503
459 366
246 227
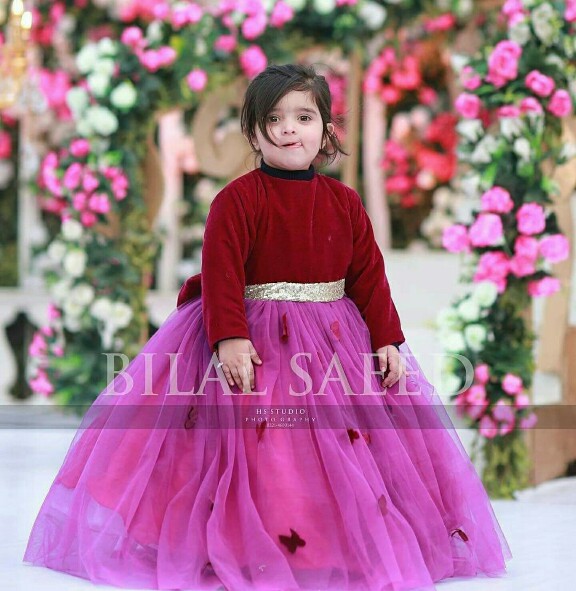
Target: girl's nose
288 127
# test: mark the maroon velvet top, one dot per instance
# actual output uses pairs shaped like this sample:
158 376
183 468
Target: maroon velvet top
272 225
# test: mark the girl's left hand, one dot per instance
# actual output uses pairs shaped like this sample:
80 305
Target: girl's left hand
391 363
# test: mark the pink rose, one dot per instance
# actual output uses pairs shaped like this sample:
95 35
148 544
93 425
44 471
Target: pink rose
41 384
475 411
80 148
482 373
253 61
197 80
90 182
531 218
72 176
254 26
503 63
522 401
502 411
151 60
282 13
526 246
470 79
79 200
493 267
427 96
555 248
529 421
468 105
531 105
186 14
544 287
498 200
487 230
522 266
539 83
455 238
488 427
88 218
37 346
509 111
99 203
166 55
560 104
225 43
476 394
512 384
5 144
570 12
133 37
53 312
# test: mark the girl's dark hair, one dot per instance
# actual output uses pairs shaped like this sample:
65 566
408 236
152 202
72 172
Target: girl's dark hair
275 82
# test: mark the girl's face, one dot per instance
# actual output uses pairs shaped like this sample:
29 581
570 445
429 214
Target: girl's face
295 126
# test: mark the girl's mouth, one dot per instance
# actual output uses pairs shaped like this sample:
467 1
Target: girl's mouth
293 145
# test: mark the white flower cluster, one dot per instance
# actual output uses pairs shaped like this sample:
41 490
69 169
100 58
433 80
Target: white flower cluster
112 316
460 327
446 203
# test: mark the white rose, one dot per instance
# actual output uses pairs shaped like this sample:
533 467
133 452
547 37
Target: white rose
102 120
82 294
84 128
520 33
107 47
470 129
72 230
485 293
297 5
104 66
72 324
6 173
522 149
458 62
442 198
324 6
475 335
511 127
469 310
56 251
464 8
121 314
86 58
444 5
60 290
124 96
483 151
101 309
72 308
452 341
98 83
154 32
77 100
448 318
450 383
543 21
75 262
470 184
568 151
553 59
374 15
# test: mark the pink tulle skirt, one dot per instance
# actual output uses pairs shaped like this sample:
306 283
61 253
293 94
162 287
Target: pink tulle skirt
319 479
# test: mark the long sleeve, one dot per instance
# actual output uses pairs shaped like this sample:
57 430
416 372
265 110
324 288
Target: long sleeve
366 282
224 253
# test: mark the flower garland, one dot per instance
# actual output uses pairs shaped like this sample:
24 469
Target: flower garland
516 94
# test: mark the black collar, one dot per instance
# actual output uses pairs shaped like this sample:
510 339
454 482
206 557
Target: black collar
291 175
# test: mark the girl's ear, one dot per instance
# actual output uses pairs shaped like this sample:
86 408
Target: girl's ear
330 127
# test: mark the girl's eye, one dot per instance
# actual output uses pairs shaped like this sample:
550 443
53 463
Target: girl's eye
306 118
273 118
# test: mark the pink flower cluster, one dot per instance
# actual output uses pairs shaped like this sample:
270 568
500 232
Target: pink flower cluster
253 61
77 189
488 230
393 76
178 16
151 59
503 63
255 19
503 416
54 85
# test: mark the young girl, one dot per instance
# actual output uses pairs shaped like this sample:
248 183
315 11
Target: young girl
270 435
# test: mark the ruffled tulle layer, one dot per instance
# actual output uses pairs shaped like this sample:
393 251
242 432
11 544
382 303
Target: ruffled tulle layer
325 480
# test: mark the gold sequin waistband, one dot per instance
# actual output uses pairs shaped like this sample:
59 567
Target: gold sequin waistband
297 292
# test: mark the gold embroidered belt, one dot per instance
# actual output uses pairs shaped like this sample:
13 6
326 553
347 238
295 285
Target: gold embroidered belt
297 292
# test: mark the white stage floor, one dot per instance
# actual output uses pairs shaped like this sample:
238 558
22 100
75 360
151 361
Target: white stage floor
540 529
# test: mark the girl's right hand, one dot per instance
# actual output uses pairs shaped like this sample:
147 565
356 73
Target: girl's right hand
237 356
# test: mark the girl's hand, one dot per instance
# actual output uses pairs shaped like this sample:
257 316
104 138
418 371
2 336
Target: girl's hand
237 356
391 363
